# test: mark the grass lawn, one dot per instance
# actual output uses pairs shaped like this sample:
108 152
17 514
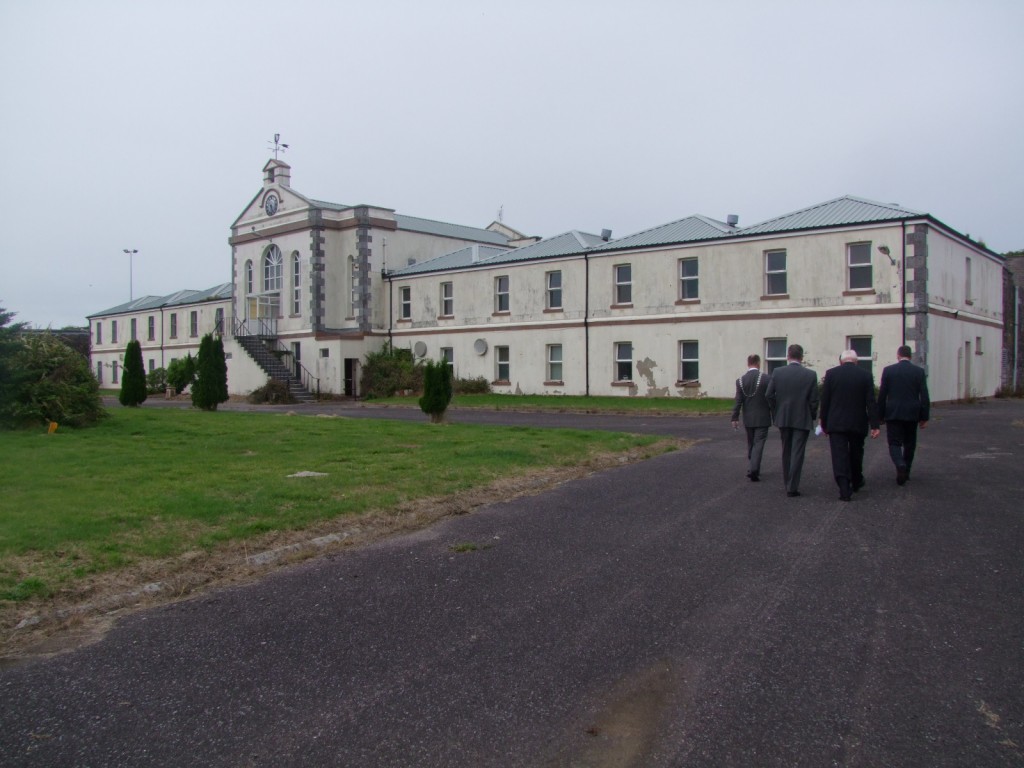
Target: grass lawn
156 483
594 404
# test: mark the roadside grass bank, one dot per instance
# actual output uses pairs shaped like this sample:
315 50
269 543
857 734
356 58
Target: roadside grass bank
155 490
577 403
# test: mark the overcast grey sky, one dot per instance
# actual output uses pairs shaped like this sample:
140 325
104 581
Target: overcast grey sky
146 124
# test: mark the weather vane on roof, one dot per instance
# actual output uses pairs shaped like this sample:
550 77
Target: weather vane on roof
278 146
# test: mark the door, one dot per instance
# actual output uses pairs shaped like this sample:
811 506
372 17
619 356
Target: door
297 359
351 377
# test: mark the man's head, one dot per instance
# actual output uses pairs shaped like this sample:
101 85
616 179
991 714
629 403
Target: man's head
904 353
795 353
753 361
848 356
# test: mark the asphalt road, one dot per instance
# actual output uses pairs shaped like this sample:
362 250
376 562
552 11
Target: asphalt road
667 613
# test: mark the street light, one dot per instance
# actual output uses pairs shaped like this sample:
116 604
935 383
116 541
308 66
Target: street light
131 252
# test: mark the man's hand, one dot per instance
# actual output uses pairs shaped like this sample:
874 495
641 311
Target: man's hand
735 425
875 433
922 424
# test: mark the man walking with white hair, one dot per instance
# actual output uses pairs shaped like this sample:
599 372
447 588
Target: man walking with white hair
847 412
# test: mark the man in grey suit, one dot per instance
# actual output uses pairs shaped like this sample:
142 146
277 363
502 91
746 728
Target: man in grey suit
793 396
904 404
757 416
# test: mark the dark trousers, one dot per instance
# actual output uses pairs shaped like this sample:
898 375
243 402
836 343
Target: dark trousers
847 459
902 439
756 437
794 441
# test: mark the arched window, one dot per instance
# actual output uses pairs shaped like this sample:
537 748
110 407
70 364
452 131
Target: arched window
272 266
248 277
296 283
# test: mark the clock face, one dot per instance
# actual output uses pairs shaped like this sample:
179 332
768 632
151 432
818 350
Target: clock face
270 204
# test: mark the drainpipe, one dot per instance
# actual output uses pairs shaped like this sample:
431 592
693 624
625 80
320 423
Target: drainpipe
1016 335
586 322
391 304
903 282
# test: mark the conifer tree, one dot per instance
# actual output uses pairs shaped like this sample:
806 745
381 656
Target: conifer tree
133 380
210 388
437 390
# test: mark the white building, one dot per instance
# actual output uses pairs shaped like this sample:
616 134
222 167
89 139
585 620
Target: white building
671 311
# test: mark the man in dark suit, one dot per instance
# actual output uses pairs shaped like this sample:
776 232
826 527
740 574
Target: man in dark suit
903 403
757 416
847 410
793 397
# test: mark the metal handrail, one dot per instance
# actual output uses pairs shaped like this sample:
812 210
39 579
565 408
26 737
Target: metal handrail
266 329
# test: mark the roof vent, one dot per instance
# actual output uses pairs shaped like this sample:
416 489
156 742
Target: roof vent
411 261
606 235
732 219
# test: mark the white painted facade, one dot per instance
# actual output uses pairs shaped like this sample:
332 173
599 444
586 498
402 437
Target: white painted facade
672 311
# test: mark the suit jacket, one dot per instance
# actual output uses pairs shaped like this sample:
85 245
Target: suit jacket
848 400
793 396
750 390
903 393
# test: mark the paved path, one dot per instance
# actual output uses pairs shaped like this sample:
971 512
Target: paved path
668 613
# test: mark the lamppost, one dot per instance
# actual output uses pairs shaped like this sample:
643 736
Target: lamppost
131 252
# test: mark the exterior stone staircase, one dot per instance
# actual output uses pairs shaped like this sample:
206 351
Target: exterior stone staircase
274 368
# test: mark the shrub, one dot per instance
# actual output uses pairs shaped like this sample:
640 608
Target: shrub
389 371
181 373
211 386
156 381
133 380
54 383
437 389
273 392
477 386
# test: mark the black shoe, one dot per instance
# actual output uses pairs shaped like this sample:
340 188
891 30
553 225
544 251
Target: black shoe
844 498
901 475
857 485
754 477
791 494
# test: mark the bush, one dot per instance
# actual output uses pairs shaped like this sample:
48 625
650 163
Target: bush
54 383
388 371
1007 390
273 392
477 386
437 389
133 380
181 373
211 386
156 381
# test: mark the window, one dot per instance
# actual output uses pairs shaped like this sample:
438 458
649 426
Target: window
99 372
554 288
99 332
272 265
193 324
248 277
775 273
623 361
135 329
325 352
405 303
774 354
623 284
447 300
113 331
448 357
554 362
501 294
152 365
688 285
858 256
501 364
296 284
218 321
862 346
113 372
968 298
174 325
689 361
977 345
151 328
